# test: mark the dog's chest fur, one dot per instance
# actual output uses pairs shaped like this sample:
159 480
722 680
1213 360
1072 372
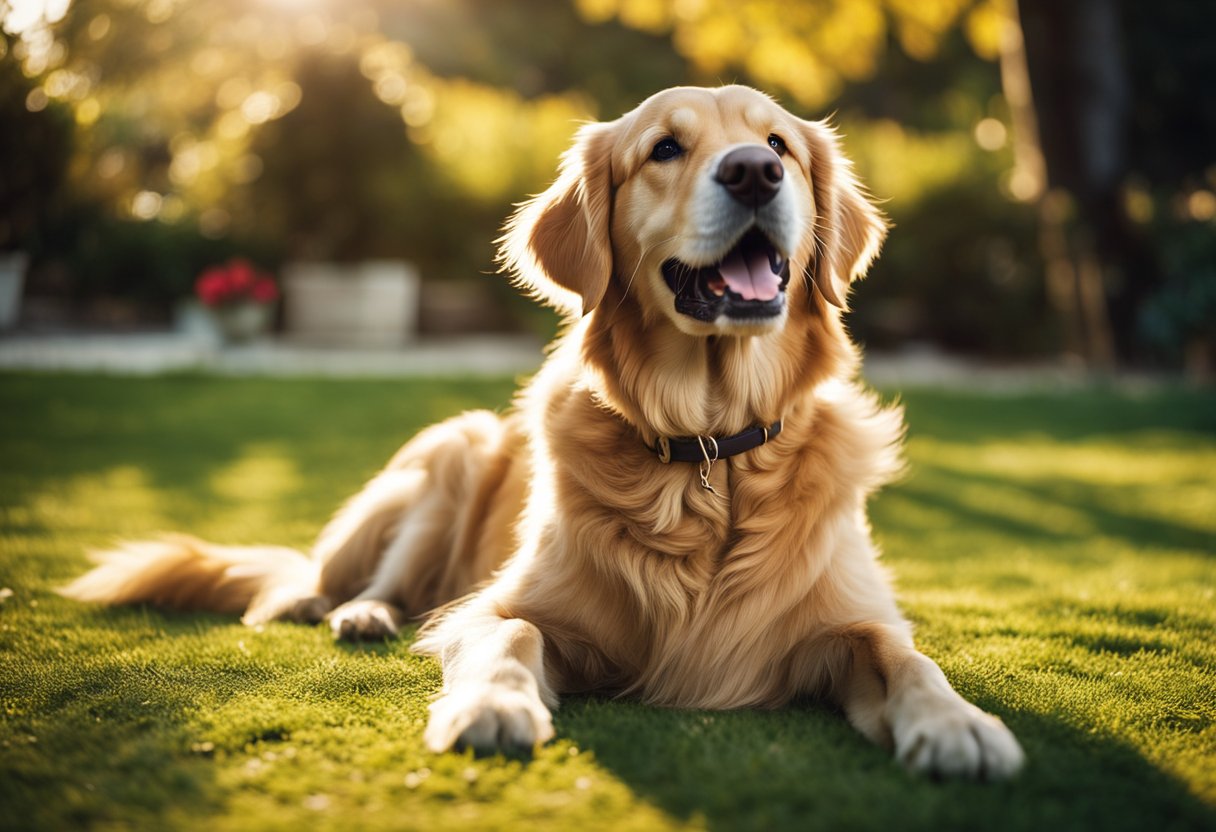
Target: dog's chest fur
711 577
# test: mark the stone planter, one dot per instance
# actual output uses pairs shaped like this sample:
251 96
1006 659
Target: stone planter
193 320
12 277
372 304
239 323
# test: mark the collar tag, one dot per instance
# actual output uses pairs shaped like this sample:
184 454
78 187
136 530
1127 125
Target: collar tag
707 463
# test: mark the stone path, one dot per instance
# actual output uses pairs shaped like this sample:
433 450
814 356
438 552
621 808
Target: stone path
486 355
153 353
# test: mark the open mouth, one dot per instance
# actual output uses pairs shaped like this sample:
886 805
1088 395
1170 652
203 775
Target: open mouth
748 282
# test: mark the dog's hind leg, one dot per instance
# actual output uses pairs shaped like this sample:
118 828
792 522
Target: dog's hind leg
415 538
292 602
349 549
376 612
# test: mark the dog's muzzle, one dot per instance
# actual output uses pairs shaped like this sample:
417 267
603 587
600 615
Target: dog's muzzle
747 283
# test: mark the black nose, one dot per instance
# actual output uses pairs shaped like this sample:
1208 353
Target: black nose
752 174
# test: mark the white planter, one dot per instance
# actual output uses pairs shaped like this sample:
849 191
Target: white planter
194 320
12 277
371 304
240 323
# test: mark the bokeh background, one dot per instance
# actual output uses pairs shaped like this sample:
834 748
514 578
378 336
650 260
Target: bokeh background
1050 167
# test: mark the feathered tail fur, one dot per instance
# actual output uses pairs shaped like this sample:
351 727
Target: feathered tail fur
185 573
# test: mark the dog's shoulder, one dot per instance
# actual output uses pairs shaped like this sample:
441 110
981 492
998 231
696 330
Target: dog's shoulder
859 432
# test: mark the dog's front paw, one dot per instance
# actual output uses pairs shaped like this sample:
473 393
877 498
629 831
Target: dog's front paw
958 740
364 621
488 716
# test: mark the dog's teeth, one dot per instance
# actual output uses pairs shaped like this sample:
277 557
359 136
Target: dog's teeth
717 285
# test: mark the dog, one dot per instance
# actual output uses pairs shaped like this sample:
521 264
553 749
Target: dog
674 507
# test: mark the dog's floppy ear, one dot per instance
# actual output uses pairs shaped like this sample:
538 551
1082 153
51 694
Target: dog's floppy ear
848 228
557 244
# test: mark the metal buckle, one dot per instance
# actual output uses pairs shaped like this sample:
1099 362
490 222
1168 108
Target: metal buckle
664 450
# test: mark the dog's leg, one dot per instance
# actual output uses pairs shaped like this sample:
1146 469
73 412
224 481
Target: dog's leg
289 602
413 538
347 551
900 698
374 613
494 690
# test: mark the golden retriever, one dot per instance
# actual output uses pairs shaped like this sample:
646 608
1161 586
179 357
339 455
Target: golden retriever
674 509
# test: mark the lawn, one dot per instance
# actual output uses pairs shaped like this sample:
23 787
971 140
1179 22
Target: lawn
1057 553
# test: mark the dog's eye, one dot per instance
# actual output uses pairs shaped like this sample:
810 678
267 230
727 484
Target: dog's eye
666 150
778 144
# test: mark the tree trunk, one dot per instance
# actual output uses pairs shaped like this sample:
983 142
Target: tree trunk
1064 76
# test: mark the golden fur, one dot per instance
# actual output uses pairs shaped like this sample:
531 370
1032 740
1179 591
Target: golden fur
562 554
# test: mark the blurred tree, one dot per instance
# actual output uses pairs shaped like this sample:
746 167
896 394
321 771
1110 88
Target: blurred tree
320 188
177 110
811 49
537 48
35 149
1076 84
1171 190
1112 112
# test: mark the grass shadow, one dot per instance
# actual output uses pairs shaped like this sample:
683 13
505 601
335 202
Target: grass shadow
1135 530
805 768
1066 416
94 735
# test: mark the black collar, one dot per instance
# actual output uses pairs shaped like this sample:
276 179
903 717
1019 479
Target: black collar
710 448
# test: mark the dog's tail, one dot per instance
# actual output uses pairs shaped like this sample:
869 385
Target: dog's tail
184 573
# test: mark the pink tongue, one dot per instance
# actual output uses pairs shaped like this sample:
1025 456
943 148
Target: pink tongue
749 275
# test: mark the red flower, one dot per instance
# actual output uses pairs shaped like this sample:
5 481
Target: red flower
264 290
234 282
212 287
241 275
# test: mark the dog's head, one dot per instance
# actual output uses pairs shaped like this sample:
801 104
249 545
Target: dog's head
714 207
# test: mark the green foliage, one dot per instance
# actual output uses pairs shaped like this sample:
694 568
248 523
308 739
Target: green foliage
972 284
1055 550
496 44
809 50
1183 309
960 267
35 149
322 190
151 262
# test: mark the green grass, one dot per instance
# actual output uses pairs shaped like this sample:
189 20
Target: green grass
1057 553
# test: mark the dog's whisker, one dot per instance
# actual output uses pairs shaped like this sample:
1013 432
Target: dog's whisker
637 267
